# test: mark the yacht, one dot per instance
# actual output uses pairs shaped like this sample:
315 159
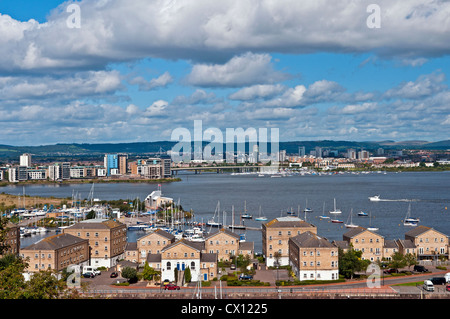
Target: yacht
335 211
375 198
350 224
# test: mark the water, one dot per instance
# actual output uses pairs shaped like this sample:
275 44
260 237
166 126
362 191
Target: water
429 192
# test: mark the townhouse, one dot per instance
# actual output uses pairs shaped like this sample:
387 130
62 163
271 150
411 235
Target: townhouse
368 242
107 240
313 258
275 238
430 244
56 253
12 239
226 243
152 243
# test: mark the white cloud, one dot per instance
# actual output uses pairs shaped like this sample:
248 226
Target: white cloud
257 91
246 69
162 81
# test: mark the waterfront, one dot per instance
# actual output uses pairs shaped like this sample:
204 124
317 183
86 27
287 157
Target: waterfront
429 192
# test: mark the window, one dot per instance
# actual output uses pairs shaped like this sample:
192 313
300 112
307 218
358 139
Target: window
193 265
168 265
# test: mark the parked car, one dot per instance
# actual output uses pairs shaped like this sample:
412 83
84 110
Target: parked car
391 271
447 287
420 268
438 280
232 266
447 277
245 277
428 285
171 287
88 275
114 274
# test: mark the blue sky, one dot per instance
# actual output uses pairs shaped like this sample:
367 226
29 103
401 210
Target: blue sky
135 72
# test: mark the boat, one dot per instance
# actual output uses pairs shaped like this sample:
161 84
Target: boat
246 215
335 211
307 209
350 224
337 221
233 226
260 218
363 214
410 221
370 225
212 222
323 216
375 198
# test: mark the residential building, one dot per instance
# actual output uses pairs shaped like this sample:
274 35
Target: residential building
56 253
131 252
111 162
275 238
59 171
430 244
390 247
122 162
153 243
36 174
183 254
313 258
107 240
25 160
368 242
155 200
225 244
17 174
12 239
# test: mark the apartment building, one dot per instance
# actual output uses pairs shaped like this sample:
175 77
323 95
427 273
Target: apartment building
276 234
313 258
430 244
107 240
153 243
56 253
183 254
370 243
225 243
12 239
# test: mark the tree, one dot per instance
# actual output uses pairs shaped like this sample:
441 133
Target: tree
130 274
350 262
398 261
410 260
187 275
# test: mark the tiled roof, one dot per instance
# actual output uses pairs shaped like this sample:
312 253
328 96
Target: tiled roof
55 242
288 222
96 224
308 239
416 231
225 231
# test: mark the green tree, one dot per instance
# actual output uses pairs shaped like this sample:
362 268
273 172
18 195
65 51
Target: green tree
410 260
398 261
149 273
130 274
350 262
187 275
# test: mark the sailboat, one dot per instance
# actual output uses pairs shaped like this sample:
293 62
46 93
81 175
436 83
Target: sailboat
323 216
246 215
212 222
410 221
370 224
260 218
350 217
233 226
307 210
335 211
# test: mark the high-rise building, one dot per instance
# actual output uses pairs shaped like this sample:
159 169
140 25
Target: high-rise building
111 161
25 160
122 160
301 151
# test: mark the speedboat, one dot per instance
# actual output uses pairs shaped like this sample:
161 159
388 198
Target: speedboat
375 198
363 214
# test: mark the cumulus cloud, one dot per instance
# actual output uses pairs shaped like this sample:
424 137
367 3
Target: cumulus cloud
162 81
246 69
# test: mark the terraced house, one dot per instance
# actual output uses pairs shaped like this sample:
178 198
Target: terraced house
225 243
430 244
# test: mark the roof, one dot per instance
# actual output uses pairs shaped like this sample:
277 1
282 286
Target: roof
208 257
131 246
194 245
96 224
155 258
225 231
309 239
56 242
390 244
419 230
288 221
247 245
160 232
406 243
358 230
343 244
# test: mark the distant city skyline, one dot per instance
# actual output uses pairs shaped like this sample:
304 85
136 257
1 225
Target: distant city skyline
135 72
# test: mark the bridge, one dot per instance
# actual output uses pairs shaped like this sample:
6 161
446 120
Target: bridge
217 169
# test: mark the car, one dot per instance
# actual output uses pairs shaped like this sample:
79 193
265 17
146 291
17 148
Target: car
232 266
245 277
447 287
391 271
428 285
88 275
114 274
171 287
420 268
438 280
166 282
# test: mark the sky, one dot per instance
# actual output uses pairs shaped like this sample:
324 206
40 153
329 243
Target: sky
113 71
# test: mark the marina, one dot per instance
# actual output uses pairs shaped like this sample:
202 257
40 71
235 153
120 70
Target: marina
426 191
